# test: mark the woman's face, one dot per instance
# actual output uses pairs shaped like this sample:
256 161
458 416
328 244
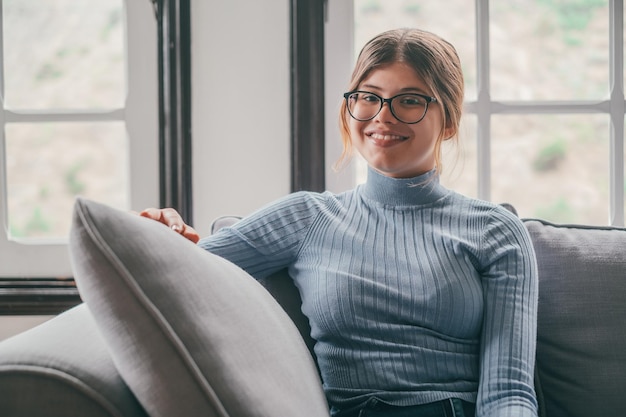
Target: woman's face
391 147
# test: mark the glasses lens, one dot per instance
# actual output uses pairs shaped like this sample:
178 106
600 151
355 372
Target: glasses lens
409 108
363 106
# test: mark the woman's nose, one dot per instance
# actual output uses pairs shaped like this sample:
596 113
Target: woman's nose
385 115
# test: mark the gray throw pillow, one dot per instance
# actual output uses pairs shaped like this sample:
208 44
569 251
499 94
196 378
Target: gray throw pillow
581 340
190 333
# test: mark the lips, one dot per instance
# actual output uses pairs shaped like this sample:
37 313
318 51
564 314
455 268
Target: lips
386 136
385 139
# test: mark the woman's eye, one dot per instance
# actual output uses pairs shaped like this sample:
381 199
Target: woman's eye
411 100
370 98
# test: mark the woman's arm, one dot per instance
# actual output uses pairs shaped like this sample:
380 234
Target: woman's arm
510 286
270 238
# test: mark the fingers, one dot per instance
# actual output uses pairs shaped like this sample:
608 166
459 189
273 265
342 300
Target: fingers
172 219
167 216
151 213
190 233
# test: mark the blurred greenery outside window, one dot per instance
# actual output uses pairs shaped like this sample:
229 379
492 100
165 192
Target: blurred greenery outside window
544 144
78 81
63 85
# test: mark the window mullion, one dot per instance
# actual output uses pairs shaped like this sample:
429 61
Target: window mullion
52 116
617 107
307 96
551 107
174 39
483 105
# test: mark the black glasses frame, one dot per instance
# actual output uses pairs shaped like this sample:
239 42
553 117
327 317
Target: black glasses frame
428 99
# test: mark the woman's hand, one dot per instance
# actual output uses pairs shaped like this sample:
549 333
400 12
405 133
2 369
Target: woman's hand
173 220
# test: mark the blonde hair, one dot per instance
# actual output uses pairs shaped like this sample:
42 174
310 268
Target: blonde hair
434 60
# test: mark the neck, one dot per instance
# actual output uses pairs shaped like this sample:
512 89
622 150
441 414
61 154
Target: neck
423 189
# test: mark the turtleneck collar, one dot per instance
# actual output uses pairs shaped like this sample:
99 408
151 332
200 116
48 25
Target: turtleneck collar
423 189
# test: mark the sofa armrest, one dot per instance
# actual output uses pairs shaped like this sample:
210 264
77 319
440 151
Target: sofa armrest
62 368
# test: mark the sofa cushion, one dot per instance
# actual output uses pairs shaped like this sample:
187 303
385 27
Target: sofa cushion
62 368
581 340
190 333
283 289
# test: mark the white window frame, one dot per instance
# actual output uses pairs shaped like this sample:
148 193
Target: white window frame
31 259
339 53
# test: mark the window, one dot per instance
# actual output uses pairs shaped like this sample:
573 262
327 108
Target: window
544 119
79 116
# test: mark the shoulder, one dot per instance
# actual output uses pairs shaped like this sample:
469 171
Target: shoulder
483 208
487 218
303 201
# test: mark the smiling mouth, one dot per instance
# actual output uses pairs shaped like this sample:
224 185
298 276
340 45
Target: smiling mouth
381 137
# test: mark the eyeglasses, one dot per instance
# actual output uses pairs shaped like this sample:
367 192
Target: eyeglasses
408 108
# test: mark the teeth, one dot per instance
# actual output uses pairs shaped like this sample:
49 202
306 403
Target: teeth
378 136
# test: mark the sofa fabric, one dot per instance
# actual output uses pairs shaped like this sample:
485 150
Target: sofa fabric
281 286
62 369
581 340
190 333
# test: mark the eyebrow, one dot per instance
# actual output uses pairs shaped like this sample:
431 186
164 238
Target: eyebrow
402 90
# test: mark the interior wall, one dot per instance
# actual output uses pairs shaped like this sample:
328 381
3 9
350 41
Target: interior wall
240 105
337 40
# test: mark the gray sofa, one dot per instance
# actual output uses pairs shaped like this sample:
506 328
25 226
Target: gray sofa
64 367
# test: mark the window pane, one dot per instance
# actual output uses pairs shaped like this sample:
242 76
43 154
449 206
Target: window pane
559 50
48 164
460 161
75 54
553 167
372 17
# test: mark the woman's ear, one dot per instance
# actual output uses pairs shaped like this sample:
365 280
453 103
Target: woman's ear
449 132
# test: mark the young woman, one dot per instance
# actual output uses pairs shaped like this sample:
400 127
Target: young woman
422 301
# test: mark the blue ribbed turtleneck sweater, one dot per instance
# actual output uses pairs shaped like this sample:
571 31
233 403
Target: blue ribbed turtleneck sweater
414 293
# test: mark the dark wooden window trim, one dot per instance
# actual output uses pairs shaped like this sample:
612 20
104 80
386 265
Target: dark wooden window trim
307 95
174 25
37 296
48 296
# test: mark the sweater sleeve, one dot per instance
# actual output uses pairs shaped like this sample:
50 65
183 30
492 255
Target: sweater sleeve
270 238
510 285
